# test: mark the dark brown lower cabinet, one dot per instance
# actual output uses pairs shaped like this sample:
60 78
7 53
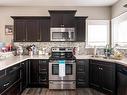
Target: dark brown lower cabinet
33 73
103 76
99 75
14 89
38 73
82 73
10 82
24 74
43 73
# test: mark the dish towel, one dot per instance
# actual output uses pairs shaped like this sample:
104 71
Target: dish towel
61 68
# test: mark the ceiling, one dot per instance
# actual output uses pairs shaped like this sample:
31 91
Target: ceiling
57 2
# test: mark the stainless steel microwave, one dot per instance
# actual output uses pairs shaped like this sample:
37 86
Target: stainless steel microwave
62 34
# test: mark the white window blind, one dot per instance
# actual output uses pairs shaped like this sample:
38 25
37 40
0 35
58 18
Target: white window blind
97 33
119 30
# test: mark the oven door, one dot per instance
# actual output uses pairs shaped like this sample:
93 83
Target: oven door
70 73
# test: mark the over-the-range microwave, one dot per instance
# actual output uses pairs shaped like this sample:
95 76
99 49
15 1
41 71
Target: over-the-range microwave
62 34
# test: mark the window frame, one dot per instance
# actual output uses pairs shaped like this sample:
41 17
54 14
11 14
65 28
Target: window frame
115 22
97 22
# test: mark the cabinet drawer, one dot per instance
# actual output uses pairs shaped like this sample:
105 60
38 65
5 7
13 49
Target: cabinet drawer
43 73
43 61
80 68
43 69
82 61
82 78
43 77
82 84
8 80
12 68
103 63
43 84
14 90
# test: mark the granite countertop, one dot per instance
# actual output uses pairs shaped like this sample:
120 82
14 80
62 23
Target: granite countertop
122 62
17 59
5 63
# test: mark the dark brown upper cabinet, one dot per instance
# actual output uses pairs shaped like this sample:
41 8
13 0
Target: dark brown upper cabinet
80 28
62 18
44 28
19 30
37 29
31 29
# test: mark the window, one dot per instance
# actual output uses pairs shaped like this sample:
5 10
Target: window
97 33
119 30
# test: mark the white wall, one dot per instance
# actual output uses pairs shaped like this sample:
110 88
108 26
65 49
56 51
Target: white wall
118 9
93 13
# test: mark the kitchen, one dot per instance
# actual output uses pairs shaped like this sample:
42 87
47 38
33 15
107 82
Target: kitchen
63 47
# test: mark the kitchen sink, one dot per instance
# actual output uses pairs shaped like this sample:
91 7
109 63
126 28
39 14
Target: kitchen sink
102 56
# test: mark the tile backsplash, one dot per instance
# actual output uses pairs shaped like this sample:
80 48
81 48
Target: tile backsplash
48 45
80 47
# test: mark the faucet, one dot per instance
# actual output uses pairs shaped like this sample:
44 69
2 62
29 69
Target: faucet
107 52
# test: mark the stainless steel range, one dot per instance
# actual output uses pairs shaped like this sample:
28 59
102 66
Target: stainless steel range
58 78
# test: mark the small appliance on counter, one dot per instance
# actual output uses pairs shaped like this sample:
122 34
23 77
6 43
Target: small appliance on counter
62 69
32 50
19 50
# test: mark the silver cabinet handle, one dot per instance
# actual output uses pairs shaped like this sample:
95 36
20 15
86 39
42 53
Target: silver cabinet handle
14 68
101 68
6 84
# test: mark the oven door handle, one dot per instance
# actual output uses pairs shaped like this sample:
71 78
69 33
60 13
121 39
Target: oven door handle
62 82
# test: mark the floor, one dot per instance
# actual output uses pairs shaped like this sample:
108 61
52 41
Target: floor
45 91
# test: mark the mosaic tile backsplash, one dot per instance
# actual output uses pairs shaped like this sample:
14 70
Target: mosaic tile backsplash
48 45
79 45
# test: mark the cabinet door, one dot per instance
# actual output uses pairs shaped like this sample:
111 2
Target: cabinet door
62 18
82 75
44 26
24 75
80 28
43 73
33 71
32 28
56 19
19 30
14 90
108 79
68 20
94 75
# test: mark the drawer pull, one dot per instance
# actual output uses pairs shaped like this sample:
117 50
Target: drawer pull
6 84
100 68
42 79
14 68
43 61
43 69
